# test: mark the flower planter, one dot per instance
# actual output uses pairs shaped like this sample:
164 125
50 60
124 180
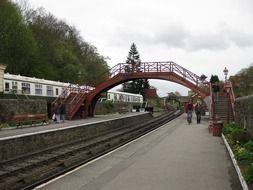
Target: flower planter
217 128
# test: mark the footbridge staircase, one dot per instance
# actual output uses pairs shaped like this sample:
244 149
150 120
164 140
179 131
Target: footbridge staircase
222 104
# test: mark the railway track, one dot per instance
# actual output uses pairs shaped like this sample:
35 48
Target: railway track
31 170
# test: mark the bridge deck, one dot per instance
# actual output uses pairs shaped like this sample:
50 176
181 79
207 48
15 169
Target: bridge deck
177 156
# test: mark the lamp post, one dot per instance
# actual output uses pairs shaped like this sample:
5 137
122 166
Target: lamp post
225 71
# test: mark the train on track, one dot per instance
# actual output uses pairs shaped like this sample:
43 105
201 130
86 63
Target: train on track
31 86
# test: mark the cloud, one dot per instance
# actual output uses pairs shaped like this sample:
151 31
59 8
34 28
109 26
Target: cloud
207 42
173 36
241 39
179 37
176 36
125 36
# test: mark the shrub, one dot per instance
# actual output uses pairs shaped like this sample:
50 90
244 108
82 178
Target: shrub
248 173
4 125
249 145
236 133
242 154
109 106
242 147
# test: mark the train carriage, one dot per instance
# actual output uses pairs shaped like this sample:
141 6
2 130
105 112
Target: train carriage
17 84
31 86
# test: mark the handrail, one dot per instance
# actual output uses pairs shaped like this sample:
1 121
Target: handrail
81 93
63 95
157 67
141 67
211 116
229 90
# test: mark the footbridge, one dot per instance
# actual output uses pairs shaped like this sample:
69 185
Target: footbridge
122 72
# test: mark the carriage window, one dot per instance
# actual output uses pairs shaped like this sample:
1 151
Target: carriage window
14 86
50 91
38 89
25 88
7 87
56 91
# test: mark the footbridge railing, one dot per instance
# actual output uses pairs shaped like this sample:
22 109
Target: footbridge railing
148 67
158 70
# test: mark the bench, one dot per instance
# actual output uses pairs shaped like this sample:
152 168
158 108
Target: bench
31 119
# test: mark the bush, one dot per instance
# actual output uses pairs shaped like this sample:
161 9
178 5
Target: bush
109 106
4 125
242 154
242 146
248 173
236 133
249 145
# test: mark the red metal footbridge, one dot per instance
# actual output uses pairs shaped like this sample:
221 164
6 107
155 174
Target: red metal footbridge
85 98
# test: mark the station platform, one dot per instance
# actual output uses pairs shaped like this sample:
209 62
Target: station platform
176 156
11 132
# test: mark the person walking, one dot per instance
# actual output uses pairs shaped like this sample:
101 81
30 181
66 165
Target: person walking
189 110
198 110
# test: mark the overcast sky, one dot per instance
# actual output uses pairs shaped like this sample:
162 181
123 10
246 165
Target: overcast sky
204 36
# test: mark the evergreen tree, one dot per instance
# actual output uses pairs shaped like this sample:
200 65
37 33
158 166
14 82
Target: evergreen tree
137 86
214 79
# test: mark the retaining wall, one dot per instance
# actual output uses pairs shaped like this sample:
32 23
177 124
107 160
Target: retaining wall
11 107
15 147
244 113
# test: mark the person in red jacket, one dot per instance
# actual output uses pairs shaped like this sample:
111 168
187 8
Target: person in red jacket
189 110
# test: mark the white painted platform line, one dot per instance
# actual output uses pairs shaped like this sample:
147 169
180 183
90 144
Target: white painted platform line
63 128
239 173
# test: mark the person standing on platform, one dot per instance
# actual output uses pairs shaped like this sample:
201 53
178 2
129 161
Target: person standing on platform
57 112
62 112
198 110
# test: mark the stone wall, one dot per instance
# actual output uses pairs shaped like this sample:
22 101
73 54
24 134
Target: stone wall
244 112
119 107
28 144
11 107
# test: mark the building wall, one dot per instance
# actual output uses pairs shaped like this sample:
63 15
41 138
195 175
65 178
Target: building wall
2 68
151 93
244 112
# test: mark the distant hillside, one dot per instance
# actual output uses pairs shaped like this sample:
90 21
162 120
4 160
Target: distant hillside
36 43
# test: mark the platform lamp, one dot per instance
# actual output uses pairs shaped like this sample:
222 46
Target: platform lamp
225 71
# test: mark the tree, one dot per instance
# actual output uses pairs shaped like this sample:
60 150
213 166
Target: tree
133 59
214 79
137 86
36 43
18 47
243 82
